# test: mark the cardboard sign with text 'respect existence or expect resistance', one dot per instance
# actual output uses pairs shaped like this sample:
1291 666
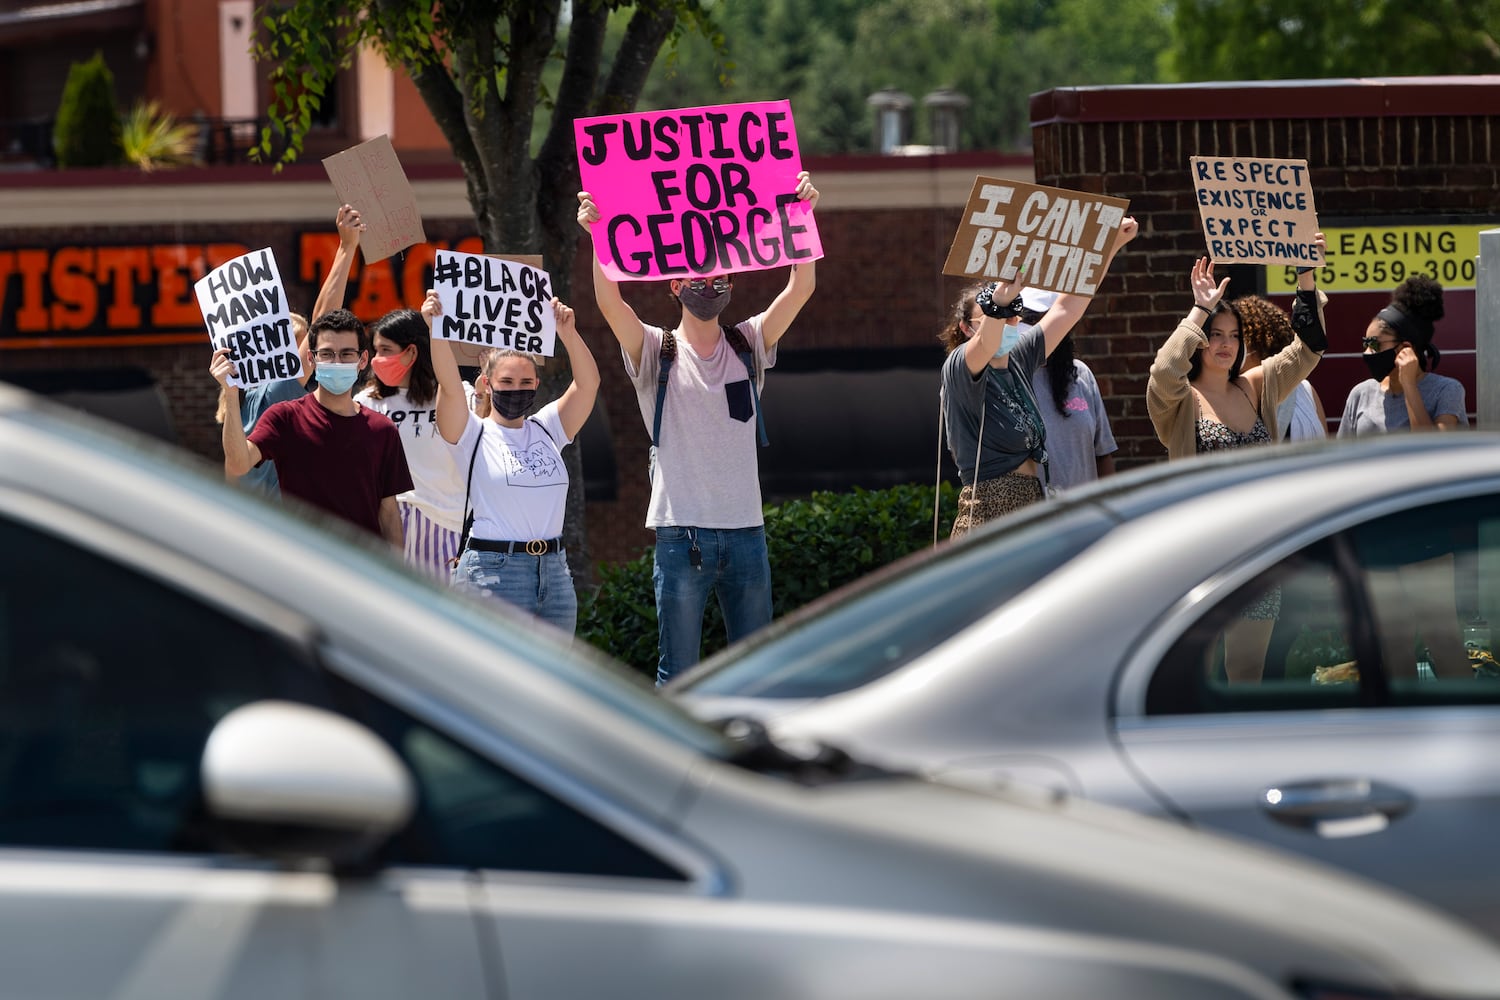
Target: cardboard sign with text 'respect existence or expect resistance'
369 177
1046 237
244 306
1256 211
696 191
490 302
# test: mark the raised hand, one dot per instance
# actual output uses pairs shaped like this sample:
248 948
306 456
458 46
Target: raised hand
1205 295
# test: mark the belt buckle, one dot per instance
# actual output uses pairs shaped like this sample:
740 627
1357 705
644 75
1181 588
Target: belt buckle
536 547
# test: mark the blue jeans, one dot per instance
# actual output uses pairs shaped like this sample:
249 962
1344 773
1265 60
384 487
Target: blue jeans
539 585
732 563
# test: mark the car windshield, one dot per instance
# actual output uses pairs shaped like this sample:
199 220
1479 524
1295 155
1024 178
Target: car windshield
870 632
589 672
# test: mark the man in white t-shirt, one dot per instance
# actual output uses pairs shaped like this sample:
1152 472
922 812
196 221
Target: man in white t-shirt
705 478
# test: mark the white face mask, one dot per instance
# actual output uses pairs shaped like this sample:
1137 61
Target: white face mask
1010 338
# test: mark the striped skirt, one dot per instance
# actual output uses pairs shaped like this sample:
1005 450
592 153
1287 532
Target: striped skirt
429 547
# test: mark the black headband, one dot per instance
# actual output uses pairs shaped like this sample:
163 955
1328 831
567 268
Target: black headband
1411 329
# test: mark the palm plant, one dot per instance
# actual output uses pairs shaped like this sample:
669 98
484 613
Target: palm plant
152 138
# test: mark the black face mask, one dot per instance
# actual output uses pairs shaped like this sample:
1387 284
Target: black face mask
512 403
1381 363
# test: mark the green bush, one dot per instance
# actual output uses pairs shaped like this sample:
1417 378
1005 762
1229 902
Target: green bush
815 545
88 121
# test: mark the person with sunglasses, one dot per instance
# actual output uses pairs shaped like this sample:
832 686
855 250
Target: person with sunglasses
705 474
1402 391
329 450
998 336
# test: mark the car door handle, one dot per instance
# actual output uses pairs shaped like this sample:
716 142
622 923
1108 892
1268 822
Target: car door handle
1343 807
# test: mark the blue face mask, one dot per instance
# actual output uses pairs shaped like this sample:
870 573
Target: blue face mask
1011 338
337 378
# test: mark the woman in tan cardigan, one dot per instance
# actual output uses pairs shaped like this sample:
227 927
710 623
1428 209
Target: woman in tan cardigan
1198 398
1200 401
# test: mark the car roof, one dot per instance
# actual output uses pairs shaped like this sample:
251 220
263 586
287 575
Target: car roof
1126 497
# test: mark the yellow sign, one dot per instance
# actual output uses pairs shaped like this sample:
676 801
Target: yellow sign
1378 258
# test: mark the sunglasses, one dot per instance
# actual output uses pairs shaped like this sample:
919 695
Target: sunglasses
1031 317
720 284
1373 344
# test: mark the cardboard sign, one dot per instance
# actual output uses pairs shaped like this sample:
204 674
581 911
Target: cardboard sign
492 302
369 177
244 305
696 191
1257 211
1047 237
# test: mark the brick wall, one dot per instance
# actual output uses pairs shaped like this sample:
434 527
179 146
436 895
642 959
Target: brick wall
1376 149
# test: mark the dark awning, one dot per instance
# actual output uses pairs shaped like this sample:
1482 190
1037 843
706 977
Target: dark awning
31 21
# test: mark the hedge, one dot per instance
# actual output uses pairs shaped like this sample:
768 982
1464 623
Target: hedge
815 545
87 133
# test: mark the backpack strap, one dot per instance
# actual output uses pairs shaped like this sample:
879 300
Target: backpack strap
741 346
664 368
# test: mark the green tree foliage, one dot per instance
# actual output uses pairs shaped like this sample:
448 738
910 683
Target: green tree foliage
87 133
1284 39
829 57
814 545
504 80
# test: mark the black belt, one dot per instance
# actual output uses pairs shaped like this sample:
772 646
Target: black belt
535 547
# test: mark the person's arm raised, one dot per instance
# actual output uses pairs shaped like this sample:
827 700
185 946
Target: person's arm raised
1069 309
240 454
799 283
452 404
577 400
985 341
622 320
331 295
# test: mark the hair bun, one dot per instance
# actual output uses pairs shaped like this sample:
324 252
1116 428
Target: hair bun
1420 297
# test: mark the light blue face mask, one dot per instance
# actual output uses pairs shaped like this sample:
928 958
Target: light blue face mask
337 378
1010 338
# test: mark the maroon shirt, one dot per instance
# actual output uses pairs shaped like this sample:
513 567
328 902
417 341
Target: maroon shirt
345 465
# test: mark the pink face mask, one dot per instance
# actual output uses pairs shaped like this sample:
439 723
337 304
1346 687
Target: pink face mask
390 369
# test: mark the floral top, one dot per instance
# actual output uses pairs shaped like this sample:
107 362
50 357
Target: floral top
1214 436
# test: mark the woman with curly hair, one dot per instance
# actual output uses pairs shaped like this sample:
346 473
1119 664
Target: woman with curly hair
1267 331
1402 392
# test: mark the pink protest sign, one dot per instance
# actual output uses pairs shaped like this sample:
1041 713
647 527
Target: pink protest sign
696 191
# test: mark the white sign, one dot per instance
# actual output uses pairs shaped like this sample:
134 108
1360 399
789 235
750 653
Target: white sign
492 302
244 305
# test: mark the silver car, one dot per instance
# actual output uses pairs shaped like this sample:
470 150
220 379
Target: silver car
1269 644
241 756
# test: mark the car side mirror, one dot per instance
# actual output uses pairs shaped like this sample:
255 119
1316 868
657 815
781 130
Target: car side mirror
301 784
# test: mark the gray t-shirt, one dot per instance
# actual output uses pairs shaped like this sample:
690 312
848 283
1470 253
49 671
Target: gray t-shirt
1372 410
1074 442
707 472
1013 431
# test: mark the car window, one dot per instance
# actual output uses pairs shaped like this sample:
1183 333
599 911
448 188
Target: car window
472 813
110 683
1391 611
877 630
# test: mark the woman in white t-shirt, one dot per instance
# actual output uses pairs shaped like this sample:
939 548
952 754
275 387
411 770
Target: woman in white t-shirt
512 462
404 388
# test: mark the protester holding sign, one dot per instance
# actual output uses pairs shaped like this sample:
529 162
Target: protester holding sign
257 399
515 481
698 389
405 389
998 336
329 450
1200 401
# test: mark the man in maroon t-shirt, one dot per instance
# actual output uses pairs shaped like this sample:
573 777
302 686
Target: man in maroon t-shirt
329 450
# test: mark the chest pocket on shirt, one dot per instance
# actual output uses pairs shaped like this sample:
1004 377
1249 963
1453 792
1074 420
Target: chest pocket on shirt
738 395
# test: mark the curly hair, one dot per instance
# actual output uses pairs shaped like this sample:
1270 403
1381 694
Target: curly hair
1264 328
1415 306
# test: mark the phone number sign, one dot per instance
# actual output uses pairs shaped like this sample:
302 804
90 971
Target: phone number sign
1378 258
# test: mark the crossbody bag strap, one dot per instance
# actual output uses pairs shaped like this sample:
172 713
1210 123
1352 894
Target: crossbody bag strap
463 539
